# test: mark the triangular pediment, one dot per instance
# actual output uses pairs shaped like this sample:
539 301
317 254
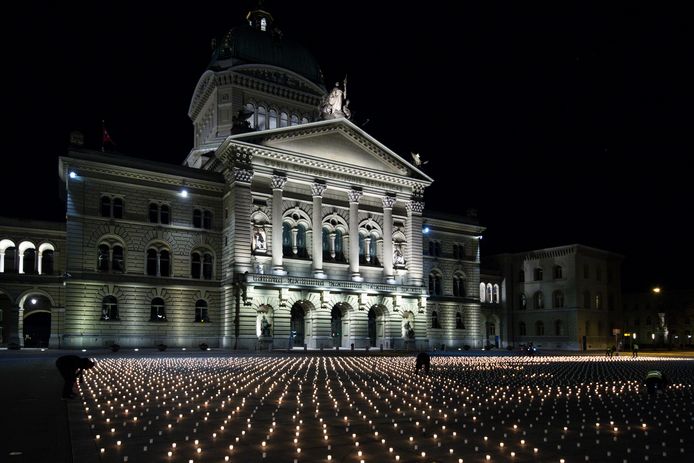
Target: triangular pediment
338 141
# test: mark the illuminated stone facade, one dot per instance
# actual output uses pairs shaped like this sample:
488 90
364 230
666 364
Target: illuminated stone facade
567 297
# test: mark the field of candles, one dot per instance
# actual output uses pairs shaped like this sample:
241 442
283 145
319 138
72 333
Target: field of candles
314 408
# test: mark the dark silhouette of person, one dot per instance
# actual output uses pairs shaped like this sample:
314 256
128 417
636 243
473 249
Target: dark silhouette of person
656 381
423 360
72 367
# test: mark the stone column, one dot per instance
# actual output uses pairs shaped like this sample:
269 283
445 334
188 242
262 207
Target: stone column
414 241
277 184
2 261
317 190
354 196
388 203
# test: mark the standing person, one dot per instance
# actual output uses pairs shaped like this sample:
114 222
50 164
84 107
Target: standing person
635 350
72 367
423 360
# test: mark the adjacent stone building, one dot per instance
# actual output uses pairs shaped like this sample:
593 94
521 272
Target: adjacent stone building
567 297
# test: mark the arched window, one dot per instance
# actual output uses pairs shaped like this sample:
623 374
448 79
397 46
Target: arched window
539 328
201 311
522 329
207 220
496 293
117 208
459 321
117 259
152 262
29 260
284 121
523 302
459 286
195 265
539 300
102 261
157 310
295 119
483 292
558 299
8 256
304 120
558 272
105 206
251 119
537 274
586 299
272 119
301 241
338 245
286 239
435 320
558 328
153 213
109 308
47 262
164 263
262 114
490 293
521 276
435 284
197 218
207 266
165 214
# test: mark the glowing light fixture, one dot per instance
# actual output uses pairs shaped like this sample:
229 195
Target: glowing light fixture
184 193
73 174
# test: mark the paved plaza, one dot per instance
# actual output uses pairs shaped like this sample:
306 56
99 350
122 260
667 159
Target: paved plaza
317 407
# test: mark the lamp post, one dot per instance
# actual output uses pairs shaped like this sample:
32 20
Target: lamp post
662 324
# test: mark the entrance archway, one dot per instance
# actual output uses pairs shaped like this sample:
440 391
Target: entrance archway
37 320
336 326
297 325
339 325
376 325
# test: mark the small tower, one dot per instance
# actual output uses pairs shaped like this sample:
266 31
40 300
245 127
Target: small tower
260 19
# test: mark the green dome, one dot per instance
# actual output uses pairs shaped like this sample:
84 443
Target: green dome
248 45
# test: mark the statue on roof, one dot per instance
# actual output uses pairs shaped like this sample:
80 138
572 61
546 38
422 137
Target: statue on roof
335 104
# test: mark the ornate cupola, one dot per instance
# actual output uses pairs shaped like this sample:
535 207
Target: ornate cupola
260 19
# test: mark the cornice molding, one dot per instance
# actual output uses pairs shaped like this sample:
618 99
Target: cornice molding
85 167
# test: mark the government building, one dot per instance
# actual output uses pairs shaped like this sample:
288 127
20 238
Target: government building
286 226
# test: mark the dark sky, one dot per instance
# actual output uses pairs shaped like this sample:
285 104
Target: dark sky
560 124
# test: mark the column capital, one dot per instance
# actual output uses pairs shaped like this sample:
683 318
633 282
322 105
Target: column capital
415 207
317 189
354 195
239 174
277 182
389 202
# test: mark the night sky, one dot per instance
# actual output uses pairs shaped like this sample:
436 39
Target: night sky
561 124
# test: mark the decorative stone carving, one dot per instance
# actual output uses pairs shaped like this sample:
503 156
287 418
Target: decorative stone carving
389 202
259 243
354 195
336 104
317 189
243 175
415 206
398 256
278 181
